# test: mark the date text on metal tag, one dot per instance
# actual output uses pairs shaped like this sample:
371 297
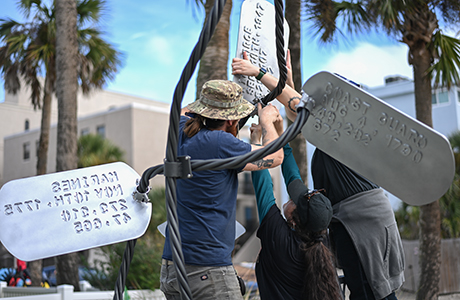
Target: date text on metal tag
409 159
256 36
64 212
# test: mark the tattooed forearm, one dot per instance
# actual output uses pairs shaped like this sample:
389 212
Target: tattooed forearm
263 163
292 105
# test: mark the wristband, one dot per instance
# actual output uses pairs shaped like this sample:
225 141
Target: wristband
262 72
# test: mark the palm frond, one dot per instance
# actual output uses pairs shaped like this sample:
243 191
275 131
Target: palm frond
27 7
445 68
327 16
354 16
90 11
6 27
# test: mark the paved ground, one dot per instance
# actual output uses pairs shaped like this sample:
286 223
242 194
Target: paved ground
405 295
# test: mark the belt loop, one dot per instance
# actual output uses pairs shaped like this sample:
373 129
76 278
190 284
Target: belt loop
166 262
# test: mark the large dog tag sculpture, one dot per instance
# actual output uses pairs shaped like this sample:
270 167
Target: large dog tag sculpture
257 38
70 211
409 159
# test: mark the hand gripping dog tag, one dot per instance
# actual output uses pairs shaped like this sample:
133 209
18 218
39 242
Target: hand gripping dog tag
409 159
70 211
256 37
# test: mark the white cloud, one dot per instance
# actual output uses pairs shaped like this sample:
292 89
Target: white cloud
369 64
137 35
160 49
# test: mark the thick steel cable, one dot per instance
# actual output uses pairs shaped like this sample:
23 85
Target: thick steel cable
171 156
279 38
235 162
279 33
239 161
124 268
173 140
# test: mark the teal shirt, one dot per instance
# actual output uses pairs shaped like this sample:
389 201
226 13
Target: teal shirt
263 185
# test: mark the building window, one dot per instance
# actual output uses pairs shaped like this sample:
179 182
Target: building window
440 98
26 151
84 131
101 130
26 125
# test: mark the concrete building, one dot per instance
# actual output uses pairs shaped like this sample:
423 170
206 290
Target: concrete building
129 122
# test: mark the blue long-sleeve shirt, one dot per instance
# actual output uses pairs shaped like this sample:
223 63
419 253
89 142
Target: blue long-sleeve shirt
263 184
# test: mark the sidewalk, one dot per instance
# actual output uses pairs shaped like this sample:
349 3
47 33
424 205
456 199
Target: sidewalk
405 295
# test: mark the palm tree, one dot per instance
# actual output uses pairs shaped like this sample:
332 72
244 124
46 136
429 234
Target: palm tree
214 62
450 206
28 51
435 58
66 92
95 150
292 14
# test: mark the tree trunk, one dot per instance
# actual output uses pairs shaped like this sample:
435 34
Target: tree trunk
66 92
42 159
213 63
430 216
299 145
35 267
35 271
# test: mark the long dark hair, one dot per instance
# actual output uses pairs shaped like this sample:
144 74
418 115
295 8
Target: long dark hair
320 282
196 122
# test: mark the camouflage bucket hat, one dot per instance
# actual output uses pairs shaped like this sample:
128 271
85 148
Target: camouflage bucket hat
223 100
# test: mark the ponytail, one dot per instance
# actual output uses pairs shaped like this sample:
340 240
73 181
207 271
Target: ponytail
197 122
320 282
193 125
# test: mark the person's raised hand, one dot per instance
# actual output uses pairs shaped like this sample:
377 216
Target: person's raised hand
256 133
279 125
243 66
268 115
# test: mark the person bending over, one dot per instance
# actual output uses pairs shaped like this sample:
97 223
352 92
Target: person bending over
293 262
363 230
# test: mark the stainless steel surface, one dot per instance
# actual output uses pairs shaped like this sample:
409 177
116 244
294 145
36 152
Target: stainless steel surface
64 212
257 37
409 159
239 229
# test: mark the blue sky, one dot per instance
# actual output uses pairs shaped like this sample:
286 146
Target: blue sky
157 38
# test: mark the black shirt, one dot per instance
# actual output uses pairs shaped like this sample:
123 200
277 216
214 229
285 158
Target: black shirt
339 181
280 267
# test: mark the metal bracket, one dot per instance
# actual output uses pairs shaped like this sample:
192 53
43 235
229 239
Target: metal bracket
180 169
141 197
306 101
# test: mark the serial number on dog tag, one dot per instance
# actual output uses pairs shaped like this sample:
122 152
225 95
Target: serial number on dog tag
409 159
256 36
64 212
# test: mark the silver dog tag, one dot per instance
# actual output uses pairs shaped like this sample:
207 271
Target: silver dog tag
256 36
409 159
64 212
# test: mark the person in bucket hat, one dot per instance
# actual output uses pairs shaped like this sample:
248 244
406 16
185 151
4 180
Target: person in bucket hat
206 203
294 262
222 100
364 233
